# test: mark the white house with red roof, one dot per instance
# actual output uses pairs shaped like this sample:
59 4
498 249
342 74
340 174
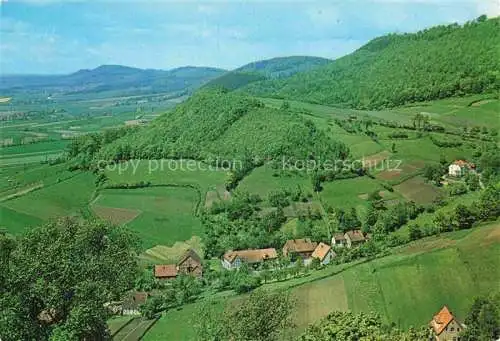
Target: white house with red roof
445 327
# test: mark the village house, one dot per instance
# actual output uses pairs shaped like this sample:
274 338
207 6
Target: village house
339 240
459 168
165 271
234 259
354 238
189 264
324 253
299 247
445 327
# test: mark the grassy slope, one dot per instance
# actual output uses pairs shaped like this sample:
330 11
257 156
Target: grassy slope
63 198
167 213
406 288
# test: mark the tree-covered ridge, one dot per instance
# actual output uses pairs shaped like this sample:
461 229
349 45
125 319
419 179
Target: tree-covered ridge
216 124
392 70
274 68
281 67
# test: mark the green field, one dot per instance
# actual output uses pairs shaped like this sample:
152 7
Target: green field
406 288
61 198
265 179
348 193
160 215
166 172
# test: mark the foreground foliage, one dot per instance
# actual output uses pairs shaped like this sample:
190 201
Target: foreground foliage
262 316
347 326
55 280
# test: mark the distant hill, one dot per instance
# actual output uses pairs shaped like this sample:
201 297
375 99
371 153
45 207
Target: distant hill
116 78
213 123
395 69
274 68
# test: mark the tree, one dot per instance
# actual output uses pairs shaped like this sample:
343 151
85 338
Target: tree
209 324
315 263
316 182
414 232
153 305
483 320
489 203
64 272
464 217
443 222
262 316
347 326
472 181
433 173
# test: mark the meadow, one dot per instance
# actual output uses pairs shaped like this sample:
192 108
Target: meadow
159 215
166 172
66 197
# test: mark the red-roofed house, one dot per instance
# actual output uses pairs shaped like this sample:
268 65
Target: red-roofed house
166 271
445 327
460 167
300 247
234 259
324 253
189 264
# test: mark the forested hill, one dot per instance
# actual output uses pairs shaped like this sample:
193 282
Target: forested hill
215 124
392 70
275 68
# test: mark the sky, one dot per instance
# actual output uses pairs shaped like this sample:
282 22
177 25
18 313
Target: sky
54 37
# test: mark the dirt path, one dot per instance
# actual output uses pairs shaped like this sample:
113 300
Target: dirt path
21 192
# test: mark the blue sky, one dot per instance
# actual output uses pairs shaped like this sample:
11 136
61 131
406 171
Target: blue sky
47 36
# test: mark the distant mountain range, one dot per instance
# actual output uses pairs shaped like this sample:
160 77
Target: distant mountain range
115 78
124 79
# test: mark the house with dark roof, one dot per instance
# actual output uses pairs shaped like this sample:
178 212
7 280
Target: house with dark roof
299 247
445 327
234 259
189 264
339 240
354 238
324 253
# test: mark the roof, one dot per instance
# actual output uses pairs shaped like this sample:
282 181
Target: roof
251 256
190 254
441 320
356 235
166 270
463 163
339 236
300 245
321 251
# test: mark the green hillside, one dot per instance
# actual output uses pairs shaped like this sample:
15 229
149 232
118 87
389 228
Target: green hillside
395 69
215 124
274 68
406 288
283 66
